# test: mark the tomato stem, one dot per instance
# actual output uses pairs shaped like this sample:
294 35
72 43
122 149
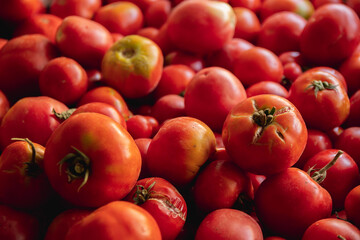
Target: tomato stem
264 117
319 176
65 114
142 194
320 85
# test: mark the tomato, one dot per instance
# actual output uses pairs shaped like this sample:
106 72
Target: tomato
163 41
18 10
211 94
224 181
91 160
178 161
281 32
264 134
352 206
157 13
103 108
4 105
107 95
94 78
139 127
115 220
143 145
321 99
148 32
31 117
168 107
354 4
81 8
247 24
257 64
63 79
15 224
317 141
350 69
133 66
331 228
84 40
228 224
253 5
28 53
45 24
287 203
303 7
189 32
174 80
349 141
61 224
331 35
194 61
226 56
344 168
318 3
266 87
354 117
291 56
142 4
163 201
120 17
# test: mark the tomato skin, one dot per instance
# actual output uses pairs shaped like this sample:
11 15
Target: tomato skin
344 168
15 224
189 32
303 7
114 160
211 94
143 145
31 117
194 61
81 8
157 13
168 107
84 40
4 105
164 203
352 203
224 181
348 141
266 87
61 224
18 10
291 196
331 35
178 161
226 224
139 127
247 24
331 228
118 219
270 150
354 117
350 69
253 5
325 110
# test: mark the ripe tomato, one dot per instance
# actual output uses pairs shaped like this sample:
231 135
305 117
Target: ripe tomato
247 25
264 134
352 206
353 119
211 94
18 10
348 141
194 61
4 105
178 150
115 220
168 107
253 5
350 69
267 87
228 224
133 66
91 160
139 127
287 203
143 145
302 7
81 8
157 13
163 201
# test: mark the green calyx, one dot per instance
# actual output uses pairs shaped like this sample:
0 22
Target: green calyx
318 85
77 166
142 194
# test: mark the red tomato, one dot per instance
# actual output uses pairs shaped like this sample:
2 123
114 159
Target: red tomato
157 13
174 80
211 94
133 66
3 41
318 3
94 78
163 201
139 127
143 145
344 168
331 35
168 107
107 95
4 105
257 64
91 160
31 117
267 87
15 225
84 40
354 4
21 61
21 166
291 56
224 181
148 32
45 24
227 224
334 134
115 220
247 24
189 32
253 5
179 161
302 7
281 32
120 17
348 141
350 69
321 99
264 134
18 10
292 71
353 119
142 4
193 61
163 41
331 228
81 8
352 206
61 224
287 203
63 79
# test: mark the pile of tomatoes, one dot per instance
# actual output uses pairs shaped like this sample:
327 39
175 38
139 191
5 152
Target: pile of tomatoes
179 119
